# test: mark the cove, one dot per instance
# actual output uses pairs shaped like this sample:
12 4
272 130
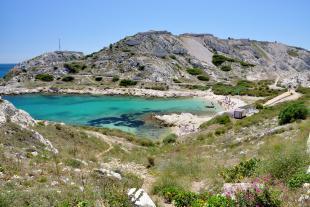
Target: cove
127 113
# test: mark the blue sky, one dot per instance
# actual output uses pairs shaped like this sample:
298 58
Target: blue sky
31 27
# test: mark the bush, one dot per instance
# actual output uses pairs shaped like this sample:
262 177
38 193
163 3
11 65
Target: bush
74 67
245 64
220 119
185 198
203 77
127 82
219 201
151 162
44 77
176 80
258 196
67 79
298 179
226 68
284 164
74 163
171 138
173 57
220 59
194 71
115 79
238 172
98 79
292 113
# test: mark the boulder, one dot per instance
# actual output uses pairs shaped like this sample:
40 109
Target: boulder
140 198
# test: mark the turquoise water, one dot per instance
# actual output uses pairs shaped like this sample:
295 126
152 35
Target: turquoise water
4 68
131 114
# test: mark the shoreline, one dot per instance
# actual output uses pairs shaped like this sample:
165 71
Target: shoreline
181 124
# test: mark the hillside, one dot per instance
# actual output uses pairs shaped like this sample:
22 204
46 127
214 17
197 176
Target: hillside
159 59
253 161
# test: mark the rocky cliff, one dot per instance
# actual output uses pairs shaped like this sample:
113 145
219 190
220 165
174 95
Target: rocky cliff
9 114
161 57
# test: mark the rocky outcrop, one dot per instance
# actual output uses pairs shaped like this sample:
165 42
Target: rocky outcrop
108 173
140 198
8 113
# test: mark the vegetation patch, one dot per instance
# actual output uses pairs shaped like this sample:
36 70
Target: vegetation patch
44 77
67 79
115 79
226 68
240 171
127 82
292 53
244 87
203 78
292 113
98 78
218 59
74 67
221 119
176 80
171 138
195 71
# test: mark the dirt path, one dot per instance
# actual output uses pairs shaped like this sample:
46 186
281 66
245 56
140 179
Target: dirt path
286 96
125 146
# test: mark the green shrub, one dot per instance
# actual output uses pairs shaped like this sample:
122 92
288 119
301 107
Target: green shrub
151 162
98 79
127 82
292 113
219 201
67 79
74 67
220 119
240 171
259 106
177 80
171 138
284 164
173 57
115 79
298 179
293 53
220 59
194 71
198 87
74 163
185 198
245 64
226 68
44 77
203 77
141 67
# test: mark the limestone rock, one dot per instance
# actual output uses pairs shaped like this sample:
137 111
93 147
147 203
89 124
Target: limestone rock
140 198
108 173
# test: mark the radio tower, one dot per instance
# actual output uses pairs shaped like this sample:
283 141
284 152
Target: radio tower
59 46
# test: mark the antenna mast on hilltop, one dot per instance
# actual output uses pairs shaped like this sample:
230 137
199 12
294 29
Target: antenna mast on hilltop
59 46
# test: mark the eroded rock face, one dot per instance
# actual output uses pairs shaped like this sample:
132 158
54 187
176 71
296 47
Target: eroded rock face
8 113
140 198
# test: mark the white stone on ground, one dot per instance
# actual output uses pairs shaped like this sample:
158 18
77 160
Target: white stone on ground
140 198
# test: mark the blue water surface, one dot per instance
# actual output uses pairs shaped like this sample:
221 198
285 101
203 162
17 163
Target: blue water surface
131 114
4 68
